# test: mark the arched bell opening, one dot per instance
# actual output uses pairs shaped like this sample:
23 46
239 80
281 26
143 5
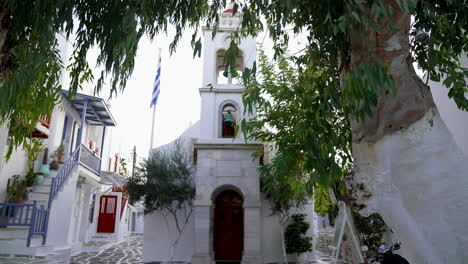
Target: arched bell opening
223 77
228 122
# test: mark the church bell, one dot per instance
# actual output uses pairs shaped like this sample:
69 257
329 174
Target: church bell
228 119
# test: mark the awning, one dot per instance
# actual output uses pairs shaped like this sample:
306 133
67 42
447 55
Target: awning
113 178
97 112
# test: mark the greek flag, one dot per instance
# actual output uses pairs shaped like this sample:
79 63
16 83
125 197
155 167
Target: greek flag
156 86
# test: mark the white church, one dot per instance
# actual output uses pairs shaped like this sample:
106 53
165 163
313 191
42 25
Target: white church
231 221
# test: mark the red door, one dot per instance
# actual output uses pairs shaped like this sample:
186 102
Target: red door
107 209
228 227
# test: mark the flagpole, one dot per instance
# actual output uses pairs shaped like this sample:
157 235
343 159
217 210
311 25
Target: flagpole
152 128
154 117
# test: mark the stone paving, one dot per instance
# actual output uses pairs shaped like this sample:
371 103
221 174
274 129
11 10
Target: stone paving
128 252
23 260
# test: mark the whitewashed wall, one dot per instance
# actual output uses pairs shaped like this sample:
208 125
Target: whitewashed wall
271 236
159 234
61 216
419 179
455 119
140 224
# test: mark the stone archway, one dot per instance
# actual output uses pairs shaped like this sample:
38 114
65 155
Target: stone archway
228 232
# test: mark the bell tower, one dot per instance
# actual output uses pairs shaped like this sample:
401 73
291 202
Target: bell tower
221 95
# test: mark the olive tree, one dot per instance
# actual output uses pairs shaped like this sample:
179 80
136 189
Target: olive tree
165 183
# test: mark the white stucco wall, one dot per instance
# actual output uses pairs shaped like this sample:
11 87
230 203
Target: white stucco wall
17 165
159 234
3 149
455 119
61 219
271 236
419 181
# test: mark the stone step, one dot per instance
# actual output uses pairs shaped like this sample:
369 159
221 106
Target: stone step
38 196
48 180
42 188
14 232
17 246
19 242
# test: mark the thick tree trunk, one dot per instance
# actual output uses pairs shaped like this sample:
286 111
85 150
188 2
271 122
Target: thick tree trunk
412 100
407 165
4 26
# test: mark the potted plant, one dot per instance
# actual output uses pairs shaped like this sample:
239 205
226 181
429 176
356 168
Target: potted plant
16 190
33 148
54 165
30 178
45 168
57 157
60 154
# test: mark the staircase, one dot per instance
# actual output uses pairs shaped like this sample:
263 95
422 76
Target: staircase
15 238
41 192
324 240
28 222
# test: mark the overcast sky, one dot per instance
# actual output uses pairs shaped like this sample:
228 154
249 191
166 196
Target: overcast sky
178 105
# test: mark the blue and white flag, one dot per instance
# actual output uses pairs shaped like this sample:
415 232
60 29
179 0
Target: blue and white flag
156 86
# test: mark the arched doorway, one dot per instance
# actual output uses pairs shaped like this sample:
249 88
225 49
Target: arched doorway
228 226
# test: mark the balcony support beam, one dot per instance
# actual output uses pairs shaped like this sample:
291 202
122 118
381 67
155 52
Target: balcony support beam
102 148
83 117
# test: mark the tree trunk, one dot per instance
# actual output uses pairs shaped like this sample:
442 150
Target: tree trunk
179 235
4 27
407 164
283 246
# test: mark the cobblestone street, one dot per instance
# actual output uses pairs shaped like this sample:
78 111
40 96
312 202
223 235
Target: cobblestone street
127 252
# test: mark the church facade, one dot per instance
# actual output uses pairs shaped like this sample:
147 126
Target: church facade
231 221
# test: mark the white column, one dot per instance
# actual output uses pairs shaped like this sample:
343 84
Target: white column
202 250
252 235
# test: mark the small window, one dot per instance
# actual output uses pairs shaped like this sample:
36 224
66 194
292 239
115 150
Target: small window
221 78
228 122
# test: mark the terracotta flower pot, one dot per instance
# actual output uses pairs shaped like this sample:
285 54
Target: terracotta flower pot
3 219
61 157
54 165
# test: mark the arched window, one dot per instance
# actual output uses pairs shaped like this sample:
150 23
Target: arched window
228 121
221 78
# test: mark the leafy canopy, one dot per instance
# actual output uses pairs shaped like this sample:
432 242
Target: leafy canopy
31 65
306 119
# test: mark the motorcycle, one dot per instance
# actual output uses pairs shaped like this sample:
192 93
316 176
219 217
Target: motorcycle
385 255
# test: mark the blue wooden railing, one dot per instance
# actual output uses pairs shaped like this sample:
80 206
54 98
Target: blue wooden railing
39 223
16 214
62 175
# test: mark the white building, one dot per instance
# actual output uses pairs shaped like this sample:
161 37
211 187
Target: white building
77 203
231 220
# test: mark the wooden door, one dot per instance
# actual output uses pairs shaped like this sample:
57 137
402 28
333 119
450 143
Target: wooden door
107 210
228 227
